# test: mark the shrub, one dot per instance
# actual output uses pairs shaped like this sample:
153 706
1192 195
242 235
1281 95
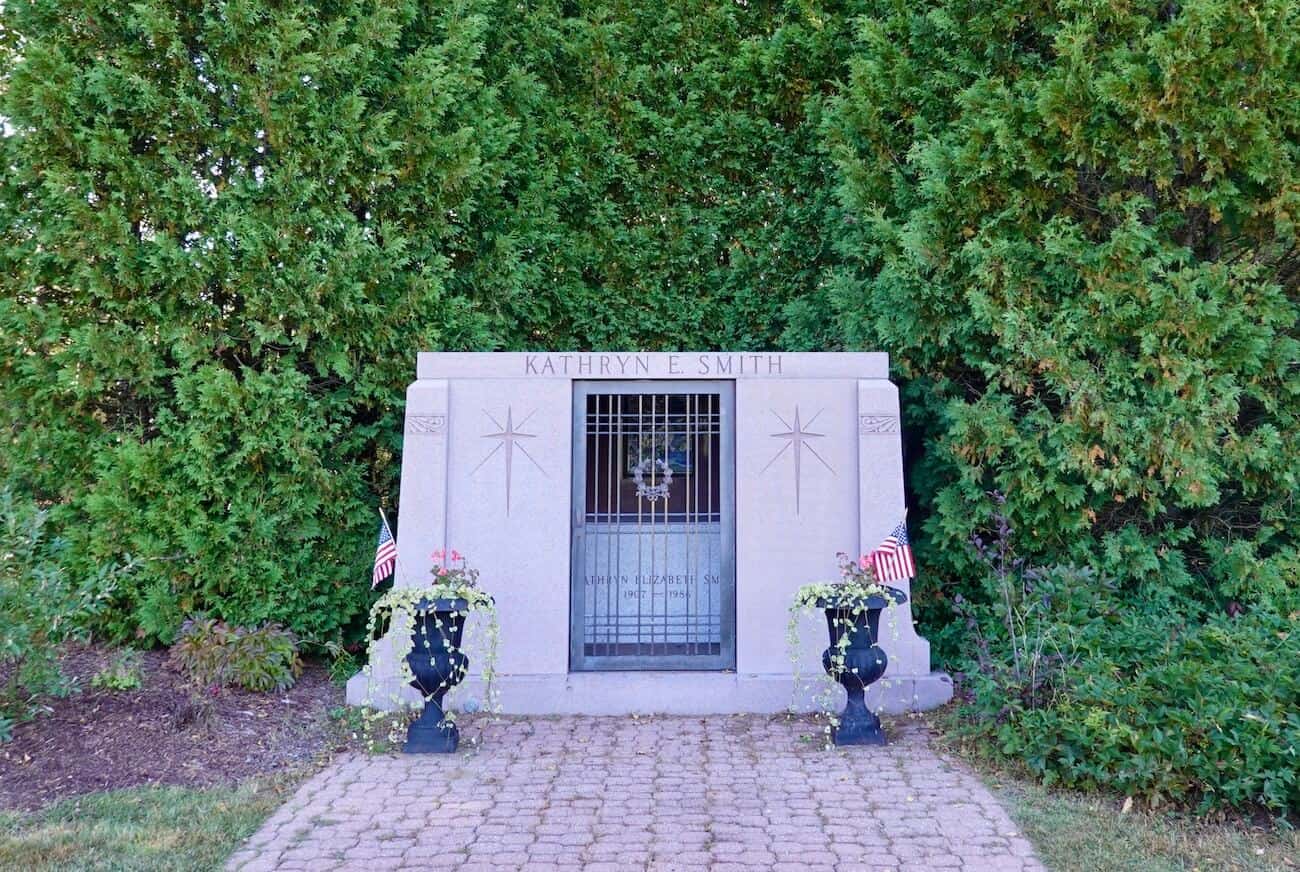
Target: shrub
1159 706
157 614
225 231
215 654
1092 689
344 664
1074 228
264 659
42 606
202 649
123 673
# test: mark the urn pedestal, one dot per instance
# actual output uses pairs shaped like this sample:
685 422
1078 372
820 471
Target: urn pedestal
854 628
438 665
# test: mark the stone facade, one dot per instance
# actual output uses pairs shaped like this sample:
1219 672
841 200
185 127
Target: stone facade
815 450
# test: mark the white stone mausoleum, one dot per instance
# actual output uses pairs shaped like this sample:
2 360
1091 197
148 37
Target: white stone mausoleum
643 520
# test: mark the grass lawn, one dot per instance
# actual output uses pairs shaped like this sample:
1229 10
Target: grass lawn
153 828
1074 832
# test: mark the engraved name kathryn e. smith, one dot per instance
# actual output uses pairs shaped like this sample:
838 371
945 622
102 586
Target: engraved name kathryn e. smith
637 365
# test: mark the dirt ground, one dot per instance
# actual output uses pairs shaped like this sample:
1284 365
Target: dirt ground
166 732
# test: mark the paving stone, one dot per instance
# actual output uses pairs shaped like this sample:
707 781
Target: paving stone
585 794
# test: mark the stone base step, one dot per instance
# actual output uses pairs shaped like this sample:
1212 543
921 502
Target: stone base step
674 693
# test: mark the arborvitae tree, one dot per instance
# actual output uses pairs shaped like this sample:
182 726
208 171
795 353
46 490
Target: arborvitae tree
227 229
1074 225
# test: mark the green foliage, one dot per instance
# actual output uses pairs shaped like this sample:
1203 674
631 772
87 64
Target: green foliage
224 230
214 654
227 230
1159 706
157 615
1074 227
667 167
264 659
123 673
42 606
380 733
1093 689
202 650
343 665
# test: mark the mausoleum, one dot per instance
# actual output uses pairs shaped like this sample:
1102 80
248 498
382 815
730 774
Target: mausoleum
643 520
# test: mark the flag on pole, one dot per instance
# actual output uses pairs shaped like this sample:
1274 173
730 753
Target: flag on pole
893 559
385 553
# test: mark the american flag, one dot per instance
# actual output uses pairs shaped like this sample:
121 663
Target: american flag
385 553
893 559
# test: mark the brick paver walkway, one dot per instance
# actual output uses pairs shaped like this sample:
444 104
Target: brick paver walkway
616 794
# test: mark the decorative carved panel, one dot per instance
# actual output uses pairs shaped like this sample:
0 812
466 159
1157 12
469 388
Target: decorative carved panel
426 425
872 425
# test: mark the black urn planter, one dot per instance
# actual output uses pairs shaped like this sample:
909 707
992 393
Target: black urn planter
438 665
864 662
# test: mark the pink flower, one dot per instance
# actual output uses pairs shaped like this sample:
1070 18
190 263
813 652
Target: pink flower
864 561
455 555
442 572
439 554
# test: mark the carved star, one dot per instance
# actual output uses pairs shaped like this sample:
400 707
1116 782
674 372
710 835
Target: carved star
508 438
796 437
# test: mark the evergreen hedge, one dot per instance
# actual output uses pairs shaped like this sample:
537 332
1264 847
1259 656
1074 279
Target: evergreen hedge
226 228
1074 226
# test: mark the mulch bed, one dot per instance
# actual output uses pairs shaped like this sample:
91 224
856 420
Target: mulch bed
166 732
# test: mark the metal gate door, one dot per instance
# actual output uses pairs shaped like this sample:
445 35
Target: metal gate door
654 533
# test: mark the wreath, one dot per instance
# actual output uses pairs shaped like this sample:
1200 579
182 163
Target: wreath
653 492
